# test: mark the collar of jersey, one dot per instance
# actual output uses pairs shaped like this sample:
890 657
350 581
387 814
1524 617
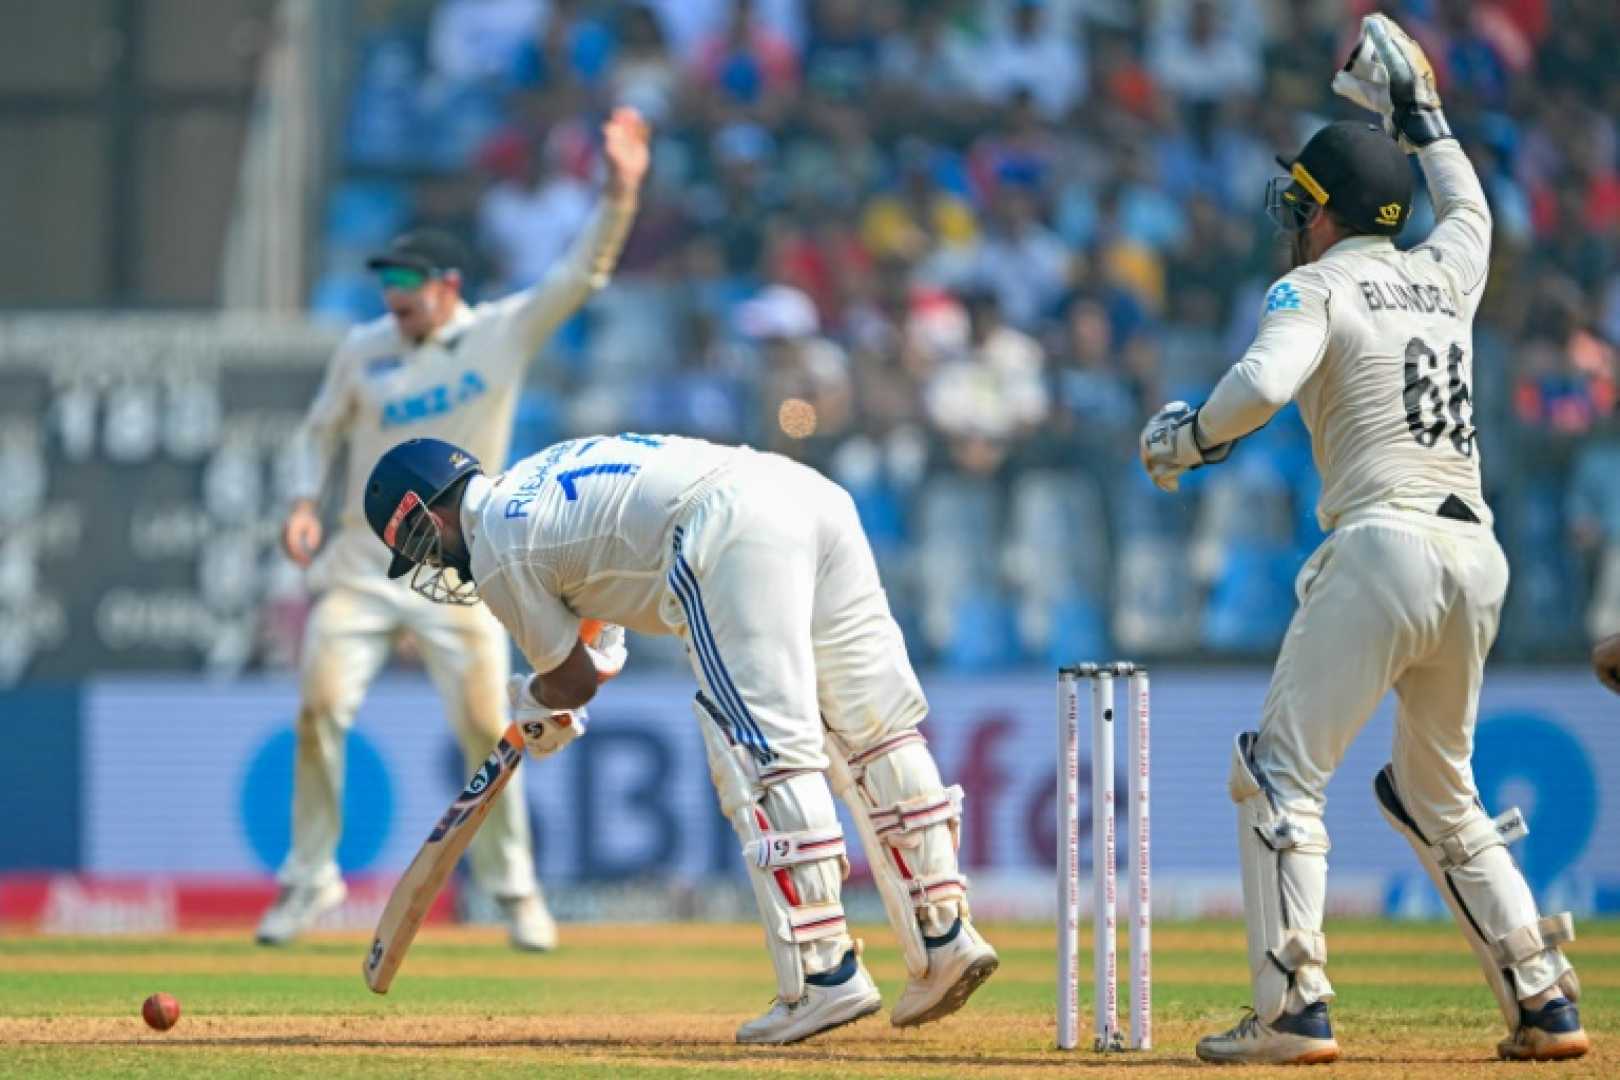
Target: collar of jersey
473 500
1353 244
457 322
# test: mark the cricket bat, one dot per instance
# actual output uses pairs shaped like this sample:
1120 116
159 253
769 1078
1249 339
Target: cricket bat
408 904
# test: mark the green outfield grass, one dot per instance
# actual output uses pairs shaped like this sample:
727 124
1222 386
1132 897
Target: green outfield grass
652 1001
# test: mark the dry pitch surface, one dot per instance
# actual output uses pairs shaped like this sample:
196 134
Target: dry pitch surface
650 1001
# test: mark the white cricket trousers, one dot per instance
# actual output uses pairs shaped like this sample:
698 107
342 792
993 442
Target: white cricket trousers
776 594
351 630
1394 598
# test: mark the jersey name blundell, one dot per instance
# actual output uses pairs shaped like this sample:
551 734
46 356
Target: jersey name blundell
1406 296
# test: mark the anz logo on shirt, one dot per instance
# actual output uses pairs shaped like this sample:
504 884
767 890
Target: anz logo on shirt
433 401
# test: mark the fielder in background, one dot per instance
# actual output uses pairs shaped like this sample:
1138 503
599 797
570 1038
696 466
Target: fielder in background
432 366
1376 346
760 566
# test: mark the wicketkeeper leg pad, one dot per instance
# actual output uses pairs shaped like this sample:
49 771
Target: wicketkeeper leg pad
1488 896
793 847
1283 852
910 824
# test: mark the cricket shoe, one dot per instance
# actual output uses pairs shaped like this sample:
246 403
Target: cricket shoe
529 925
1302 1038
1547 1034
836 998
296 909
959 961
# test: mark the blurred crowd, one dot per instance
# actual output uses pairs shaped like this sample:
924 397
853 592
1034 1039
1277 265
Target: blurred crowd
952 252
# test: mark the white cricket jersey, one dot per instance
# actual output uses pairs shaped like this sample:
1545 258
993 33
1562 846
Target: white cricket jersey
460 385
1377 346
585 528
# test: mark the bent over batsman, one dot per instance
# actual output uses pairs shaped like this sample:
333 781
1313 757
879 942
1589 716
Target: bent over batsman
760 566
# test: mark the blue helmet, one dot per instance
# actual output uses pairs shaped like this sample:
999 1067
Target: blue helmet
403 484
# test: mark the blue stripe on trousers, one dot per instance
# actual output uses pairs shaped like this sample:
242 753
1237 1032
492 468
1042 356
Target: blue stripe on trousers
684 582
682 569
703 659
744 731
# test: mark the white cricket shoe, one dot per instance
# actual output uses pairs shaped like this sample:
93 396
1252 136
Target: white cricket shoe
296 909
822 1008
956 968
1302 1038
529 925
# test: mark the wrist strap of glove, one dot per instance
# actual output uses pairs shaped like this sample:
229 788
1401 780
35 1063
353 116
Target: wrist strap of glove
1420 127
1212 455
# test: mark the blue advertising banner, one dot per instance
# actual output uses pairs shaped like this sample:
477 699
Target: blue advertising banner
40 761
210 765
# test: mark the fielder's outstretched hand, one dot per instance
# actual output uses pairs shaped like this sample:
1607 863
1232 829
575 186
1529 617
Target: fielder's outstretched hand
626 140
1606 662
301 533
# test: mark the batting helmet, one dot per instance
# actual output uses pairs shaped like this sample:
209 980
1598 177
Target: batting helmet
404 483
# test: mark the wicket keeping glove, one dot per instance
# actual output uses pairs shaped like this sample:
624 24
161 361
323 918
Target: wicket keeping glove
545 730
1388 74
1170 446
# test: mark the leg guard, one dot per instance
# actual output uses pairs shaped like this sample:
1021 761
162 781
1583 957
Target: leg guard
1284 857
909 824
794 850
1488 896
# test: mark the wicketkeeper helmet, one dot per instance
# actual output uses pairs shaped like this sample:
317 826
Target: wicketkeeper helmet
1351 168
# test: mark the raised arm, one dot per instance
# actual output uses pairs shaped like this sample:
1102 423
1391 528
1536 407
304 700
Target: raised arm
536 313
1461 240
1388 73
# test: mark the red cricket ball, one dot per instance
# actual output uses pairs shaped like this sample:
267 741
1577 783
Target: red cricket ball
161 1011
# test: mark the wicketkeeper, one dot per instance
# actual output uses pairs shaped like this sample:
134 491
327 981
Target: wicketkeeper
760 566
1376 345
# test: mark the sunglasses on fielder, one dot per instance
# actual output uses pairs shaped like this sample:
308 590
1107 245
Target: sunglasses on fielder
404 278
414 534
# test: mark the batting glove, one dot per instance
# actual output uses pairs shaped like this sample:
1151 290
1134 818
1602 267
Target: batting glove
545 730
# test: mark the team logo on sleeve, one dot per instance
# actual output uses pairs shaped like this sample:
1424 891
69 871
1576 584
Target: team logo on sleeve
1282 297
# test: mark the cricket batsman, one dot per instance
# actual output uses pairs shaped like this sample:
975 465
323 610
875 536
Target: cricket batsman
1376 346
432 366
760 566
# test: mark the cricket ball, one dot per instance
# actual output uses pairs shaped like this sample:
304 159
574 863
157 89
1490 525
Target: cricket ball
160 1011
